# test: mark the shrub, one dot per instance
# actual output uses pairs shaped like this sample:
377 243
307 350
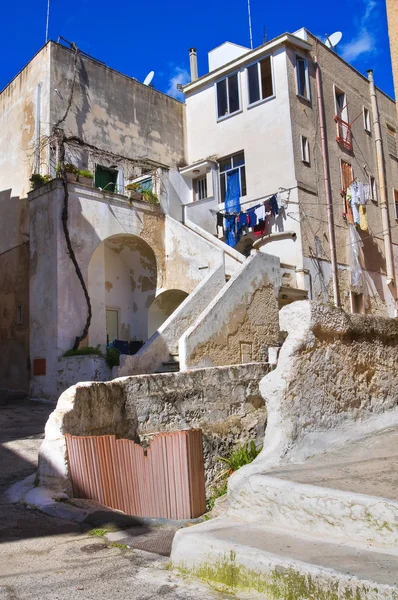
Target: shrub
112 357
69 168
242 455
150 197
84 351
37 180
86 173
135 187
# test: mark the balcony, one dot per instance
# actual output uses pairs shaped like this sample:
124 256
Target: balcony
344 136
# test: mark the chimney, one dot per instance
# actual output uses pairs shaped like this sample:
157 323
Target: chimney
193 62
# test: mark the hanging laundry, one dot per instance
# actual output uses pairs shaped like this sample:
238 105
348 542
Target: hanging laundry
220 225
260 212
350 217
232 198
251 213
259 229
273 204
355 193
230 231
366 193
243 223
354 208
363 218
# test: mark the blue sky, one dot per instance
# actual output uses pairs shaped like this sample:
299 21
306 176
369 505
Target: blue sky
137 37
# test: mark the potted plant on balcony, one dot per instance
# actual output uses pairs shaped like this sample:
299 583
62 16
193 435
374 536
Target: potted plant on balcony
85 177
70 170
134 191
38 180
150 197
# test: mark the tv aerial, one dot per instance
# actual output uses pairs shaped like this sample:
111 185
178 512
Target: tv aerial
333 40
148 78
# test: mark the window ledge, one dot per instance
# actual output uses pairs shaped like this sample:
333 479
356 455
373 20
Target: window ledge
304 98
225 117
262 101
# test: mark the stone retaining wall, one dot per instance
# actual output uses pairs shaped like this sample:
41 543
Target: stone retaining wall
224 402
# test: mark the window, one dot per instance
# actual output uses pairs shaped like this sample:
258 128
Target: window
366 120
396 203
105 178
112 325
392 141
305 149
343 127
259 81
357 304
346 174
228 166
373 189
303 88
200 188
228 100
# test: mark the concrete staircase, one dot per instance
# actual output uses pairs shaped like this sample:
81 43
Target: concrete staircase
307 531
172 365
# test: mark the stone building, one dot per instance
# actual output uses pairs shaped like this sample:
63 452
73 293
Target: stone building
89 262
392 17
273 132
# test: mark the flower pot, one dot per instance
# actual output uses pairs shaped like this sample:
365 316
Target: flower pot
71 176
134 195
86 180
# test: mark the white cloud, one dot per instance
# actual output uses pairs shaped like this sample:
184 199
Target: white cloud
364 42
181 76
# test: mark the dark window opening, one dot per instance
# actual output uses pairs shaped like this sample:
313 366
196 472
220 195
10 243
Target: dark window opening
228 100
105 178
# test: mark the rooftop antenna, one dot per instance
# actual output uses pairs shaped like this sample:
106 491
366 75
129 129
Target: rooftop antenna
250 24
264 34
149 78
48 18
333 40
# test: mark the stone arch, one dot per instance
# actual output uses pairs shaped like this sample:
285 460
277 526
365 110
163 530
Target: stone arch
122 281
162 307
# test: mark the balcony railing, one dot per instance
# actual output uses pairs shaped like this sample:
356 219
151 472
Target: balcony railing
344 137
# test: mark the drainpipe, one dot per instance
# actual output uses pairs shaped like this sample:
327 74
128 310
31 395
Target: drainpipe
193 63
36 162
382 187
328 191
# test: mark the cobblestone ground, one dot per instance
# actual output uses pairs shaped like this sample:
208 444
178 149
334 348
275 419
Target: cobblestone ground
45 558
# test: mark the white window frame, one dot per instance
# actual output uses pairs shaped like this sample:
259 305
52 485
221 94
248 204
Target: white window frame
305 149
220 173
195 183
373 196
236 112
262 100
367 126
307 79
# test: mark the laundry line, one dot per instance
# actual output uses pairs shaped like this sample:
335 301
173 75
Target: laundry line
255 201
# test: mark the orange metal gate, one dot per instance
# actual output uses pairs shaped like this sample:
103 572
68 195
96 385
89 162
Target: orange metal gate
166 481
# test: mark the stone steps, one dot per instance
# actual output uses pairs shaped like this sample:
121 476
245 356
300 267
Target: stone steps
321 510
281 564
170 366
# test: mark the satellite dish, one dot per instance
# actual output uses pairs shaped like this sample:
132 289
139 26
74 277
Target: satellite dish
333 40
149 78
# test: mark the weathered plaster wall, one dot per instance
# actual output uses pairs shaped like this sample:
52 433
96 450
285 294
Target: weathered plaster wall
312 211
18 122
190 257
165 339
58 309
225 403
241 322
334 370
114 112
72 369
163 307
14 327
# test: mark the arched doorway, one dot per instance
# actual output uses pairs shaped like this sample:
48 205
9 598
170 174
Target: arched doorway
122 277
162 307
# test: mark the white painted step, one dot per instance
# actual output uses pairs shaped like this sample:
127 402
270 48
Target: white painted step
323 511
283 565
